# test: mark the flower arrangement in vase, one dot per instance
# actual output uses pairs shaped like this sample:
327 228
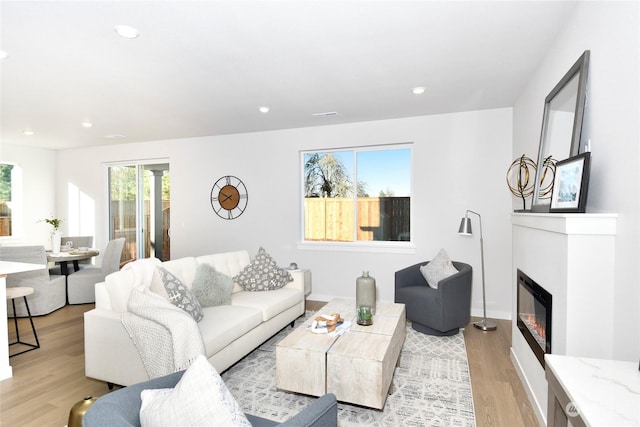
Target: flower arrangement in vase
56 234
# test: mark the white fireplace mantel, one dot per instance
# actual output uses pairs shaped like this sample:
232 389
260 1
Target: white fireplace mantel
572 256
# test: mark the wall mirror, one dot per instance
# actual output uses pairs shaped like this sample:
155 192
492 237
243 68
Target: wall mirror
560 137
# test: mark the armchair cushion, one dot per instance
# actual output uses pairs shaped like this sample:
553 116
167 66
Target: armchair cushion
440 267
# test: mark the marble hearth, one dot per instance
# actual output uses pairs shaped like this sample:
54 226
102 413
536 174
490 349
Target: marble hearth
572 256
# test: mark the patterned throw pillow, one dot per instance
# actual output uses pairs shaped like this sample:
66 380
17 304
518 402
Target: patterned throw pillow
211 287
180 295
263 274
440 267
199 399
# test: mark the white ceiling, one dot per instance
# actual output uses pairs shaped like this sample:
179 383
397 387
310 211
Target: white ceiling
203 68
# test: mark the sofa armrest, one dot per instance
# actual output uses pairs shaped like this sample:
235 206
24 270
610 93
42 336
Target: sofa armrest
323 412
298 280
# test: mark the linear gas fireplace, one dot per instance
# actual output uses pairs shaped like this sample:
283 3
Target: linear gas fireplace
534 315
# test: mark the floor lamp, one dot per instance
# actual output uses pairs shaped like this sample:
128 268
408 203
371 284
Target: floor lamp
465 230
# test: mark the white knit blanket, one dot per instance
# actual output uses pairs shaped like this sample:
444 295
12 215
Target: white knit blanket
166 337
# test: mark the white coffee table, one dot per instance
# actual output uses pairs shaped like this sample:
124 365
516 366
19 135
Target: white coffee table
357 366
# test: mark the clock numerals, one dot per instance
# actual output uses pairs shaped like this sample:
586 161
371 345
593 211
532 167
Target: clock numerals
229 197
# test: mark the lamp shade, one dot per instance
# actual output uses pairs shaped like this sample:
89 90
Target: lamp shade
465 226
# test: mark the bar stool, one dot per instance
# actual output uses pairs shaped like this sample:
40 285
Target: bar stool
12 294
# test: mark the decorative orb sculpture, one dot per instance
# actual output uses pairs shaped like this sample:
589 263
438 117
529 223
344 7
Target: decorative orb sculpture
548 176
521 177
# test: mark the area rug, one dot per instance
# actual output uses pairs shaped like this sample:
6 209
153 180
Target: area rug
431 386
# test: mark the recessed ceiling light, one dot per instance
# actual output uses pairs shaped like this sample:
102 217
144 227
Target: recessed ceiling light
418 90
28 132
126 31
115 136
263 109
87 124
3 54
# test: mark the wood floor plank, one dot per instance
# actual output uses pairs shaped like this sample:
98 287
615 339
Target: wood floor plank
48 381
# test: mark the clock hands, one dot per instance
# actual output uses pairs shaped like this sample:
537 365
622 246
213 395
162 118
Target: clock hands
226 197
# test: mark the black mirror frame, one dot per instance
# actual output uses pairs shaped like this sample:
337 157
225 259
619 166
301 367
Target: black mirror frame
581 66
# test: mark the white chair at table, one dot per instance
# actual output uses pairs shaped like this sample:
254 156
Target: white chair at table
48 292
81 284
78 242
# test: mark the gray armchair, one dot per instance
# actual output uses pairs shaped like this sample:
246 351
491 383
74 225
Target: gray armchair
439 311
81 284
122 408
48 292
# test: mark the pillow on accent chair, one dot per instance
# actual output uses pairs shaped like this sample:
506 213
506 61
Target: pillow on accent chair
200 398
210 287
440 267
263 274
180 295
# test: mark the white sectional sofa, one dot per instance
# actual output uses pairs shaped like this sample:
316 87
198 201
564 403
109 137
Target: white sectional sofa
229 332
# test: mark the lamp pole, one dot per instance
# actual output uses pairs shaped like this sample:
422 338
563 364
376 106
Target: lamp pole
465 228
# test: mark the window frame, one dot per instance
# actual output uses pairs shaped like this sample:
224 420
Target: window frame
403 247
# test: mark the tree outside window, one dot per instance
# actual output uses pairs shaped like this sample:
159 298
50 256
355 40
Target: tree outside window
358 194
5 199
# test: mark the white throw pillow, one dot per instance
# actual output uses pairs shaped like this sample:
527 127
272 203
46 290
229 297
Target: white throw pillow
440 267
199 399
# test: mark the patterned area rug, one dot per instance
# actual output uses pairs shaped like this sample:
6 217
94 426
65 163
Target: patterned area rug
431 386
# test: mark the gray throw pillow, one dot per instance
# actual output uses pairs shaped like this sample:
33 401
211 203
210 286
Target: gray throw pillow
440 267
211 287
263 274
180 295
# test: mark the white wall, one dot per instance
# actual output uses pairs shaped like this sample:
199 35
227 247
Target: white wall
460 162
610 30
39 196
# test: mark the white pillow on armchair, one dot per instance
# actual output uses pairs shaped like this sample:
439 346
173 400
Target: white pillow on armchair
440 267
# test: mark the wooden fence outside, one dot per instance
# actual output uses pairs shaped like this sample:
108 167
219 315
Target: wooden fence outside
5 219
378 219
124 225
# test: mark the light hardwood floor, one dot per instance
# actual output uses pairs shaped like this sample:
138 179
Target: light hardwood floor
48 381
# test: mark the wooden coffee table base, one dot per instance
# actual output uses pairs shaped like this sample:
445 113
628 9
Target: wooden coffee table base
357 366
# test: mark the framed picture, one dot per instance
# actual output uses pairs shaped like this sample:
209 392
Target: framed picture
570 184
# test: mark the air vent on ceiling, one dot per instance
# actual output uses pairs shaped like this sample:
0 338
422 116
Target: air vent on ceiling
325 114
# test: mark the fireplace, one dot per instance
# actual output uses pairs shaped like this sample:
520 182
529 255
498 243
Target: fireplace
534 315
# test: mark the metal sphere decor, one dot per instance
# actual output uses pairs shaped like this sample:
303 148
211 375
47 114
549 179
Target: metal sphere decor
548 176
520 178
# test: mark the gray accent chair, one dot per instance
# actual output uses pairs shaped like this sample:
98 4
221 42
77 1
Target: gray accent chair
81 284
121 408
48 292
439 311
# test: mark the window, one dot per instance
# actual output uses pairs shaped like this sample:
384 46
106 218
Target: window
140 208
6 199
358 194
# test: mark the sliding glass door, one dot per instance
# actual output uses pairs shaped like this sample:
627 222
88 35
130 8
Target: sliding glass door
139 209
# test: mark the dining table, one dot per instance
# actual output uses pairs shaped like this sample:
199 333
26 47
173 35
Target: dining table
73 256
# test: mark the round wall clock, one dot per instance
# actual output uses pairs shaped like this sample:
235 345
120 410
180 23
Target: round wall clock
229 197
